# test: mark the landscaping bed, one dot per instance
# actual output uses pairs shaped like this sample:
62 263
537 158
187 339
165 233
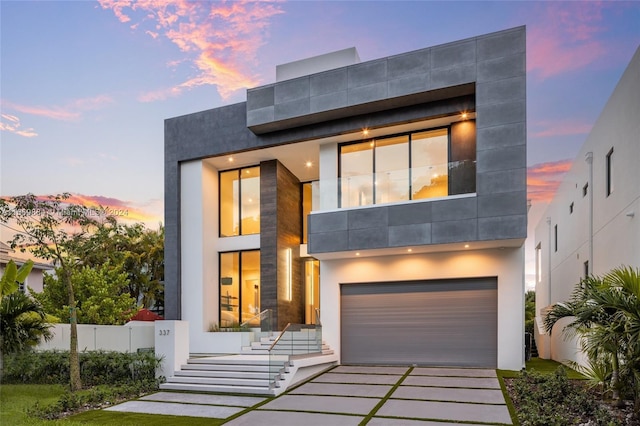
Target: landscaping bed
542 398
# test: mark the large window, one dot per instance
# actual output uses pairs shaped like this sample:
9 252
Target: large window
413 166
239 287
240 202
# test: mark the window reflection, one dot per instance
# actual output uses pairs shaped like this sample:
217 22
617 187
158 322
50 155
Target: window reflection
239 287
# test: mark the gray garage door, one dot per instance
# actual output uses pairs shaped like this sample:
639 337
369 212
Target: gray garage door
439 323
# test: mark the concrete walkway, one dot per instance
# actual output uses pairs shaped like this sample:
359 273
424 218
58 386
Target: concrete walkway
349 395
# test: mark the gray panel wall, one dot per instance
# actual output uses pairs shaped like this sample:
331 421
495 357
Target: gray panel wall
496 63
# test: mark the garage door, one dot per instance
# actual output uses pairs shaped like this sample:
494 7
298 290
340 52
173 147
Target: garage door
439 323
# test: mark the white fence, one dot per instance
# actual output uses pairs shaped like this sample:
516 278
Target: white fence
120 338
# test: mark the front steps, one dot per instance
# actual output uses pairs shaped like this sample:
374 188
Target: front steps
250 371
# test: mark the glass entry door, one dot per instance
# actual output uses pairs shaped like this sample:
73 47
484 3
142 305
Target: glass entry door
312 289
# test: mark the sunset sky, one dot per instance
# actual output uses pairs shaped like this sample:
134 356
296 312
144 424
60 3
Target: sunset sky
86 85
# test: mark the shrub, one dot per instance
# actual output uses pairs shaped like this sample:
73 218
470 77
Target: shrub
96 367
551 399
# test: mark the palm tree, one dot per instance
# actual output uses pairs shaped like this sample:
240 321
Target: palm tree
606 314
23 324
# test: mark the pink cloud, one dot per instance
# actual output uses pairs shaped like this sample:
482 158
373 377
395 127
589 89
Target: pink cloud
11 123
220 39
543 179
560 128
70 111
565 38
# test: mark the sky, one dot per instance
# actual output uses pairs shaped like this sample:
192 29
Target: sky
86 85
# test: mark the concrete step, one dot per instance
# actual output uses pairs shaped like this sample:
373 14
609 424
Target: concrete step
225 367
262 375
262 360
216 381
287 352
256 390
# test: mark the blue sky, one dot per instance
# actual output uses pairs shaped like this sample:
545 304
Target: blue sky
86 85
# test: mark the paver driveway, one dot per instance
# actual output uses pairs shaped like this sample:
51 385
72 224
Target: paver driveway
349 395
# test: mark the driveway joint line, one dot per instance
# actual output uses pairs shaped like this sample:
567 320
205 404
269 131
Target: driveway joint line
385 398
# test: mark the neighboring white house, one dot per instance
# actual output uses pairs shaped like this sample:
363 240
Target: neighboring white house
390 194
35 279
592 225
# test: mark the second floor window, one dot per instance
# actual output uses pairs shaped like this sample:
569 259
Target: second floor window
240 202
425 164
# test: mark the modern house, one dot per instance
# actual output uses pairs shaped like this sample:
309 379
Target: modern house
387 195
592 225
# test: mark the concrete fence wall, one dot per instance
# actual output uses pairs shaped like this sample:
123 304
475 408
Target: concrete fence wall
120 338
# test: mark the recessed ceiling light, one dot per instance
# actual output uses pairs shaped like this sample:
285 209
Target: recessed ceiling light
231 159
409 250
308 164
357 254
464 115
466 246
365 132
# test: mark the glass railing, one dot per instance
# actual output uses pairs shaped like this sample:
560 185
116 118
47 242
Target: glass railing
391 186
265 320
296 340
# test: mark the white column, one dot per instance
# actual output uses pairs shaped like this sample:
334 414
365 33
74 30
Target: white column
172 344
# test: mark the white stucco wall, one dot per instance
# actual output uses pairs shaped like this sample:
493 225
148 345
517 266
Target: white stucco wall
200 245
507 264
616 217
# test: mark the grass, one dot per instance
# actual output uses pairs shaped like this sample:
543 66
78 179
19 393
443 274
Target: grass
101 417
16 399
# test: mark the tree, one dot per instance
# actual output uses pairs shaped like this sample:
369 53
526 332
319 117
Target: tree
22 319
139 252
53 229
529 311
101 295
605 312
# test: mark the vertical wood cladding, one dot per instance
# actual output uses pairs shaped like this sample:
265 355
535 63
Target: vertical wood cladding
280 230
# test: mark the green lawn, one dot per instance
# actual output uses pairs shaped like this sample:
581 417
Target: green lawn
16 399
542 366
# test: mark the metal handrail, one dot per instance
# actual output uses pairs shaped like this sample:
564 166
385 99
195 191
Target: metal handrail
254 317
279 337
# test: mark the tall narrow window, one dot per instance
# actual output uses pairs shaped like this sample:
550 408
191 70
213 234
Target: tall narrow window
555 237
310 201
609 171
240 202
539 262
586 269
312 290
571 208
585 189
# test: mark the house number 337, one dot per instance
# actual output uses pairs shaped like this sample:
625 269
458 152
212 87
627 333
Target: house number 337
163 332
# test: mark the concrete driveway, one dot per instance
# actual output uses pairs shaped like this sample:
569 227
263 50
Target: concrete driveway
354 395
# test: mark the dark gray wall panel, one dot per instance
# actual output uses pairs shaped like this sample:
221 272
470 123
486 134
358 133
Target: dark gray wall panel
438 323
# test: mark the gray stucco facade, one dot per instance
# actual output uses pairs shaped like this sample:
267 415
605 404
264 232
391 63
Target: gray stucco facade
484 74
